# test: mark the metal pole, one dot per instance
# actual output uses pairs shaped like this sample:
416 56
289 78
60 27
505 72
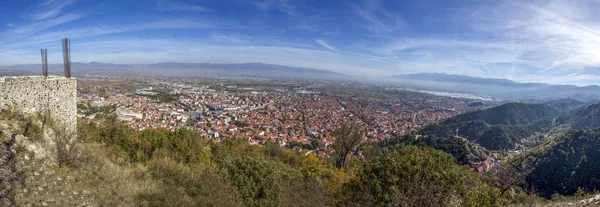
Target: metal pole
43 69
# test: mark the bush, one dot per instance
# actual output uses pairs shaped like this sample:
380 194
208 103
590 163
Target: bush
258 181
413 176
186 186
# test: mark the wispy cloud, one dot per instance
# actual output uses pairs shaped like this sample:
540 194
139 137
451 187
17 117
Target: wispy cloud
47 9
30 28
562 37
284 6
232 39
174 5
376 19
101 30
182 24
326 45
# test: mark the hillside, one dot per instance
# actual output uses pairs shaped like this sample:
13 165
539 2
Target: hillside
114 165
587 118
509 114
564 164
567 105
500 127
464 151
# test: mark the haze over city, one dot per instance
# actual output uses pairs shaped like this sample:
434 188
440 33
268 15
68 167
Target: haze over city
534 41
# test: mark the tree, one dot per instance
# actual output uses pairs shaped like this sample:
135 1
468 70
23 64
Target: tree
258 181
314 144
346 139
504 177
416 176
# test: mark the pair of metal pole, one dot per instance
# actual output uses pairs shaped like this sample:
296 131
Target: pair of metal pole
66 47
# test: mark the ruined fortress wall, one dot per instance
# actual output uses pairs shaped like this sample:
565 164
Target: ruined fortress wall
54 95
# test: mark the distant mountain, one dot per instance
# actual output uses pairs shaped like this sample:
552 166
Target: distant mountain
443 77
188 69
563 165
500 88
500 127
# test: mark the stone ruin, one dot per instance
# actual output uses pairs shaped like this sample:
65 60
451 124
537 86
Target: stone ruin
54 95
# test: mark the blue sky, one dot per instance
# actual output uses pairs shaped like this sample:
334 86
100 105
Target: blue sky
528 41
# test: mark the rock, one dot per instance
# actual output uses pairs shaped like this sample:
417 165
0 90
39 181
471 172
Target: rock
40 189
44 204
26 157
36 173
75 193
31 147
20 138
58 178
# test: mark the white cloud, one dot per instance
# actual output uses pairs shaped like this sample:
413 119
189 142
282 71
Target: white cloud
283 6
562 37
31 28
47 9
174 5
86 32
233 39
378 20
326 45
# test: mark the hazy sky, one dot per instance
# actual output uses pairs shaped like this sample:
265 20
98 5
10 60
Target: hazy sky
530 41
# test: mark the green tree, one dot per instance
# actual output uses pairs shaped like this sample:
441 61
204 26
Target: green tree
346 138
414 176
258 181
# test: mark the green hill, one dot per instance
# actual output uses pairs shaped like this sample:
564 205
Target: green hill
566 104
499 127
588 118
563 165
508 114
464 151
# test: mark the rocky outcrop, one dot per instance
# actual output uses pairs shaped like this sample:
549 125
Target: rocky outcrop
29 175
10 178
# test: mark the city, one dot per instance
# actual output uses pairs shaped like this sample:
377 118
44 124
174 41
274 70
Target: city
285 112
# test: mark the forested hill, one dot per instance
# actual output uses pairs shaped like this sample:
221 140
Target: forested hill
499 127
510 114
564 164
464 151
588 118
567 105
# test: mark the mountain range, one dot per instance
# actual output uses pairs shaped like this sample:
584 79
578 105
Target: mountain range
490 87
498 88
502 127
184 69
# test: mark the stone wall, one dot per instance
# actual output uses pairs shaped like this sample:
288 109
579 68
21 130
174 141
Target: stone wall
54 95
